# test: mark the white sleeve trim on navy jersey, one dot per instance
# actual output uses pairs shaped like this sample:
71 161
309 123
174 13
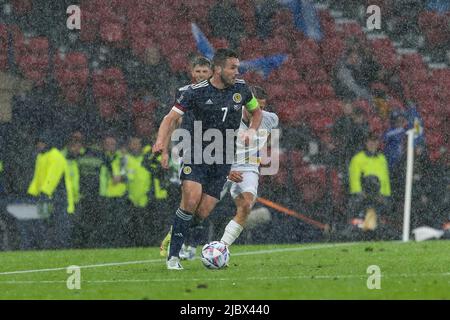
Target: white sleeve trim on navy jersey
177 110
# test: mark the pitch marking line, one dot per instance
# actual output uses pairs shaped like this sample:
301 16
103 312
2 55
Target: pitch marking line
113 264
311 277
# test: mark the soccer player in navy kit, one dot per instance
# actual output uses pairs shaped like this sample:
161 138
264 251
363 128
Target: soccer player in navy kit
200 70
217 103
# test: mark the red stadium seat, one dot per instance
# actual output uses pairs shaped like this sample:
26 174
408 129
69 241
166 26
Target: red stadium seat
296 157
290 113
276 45
306 58
110 91
285 74
411 61
281 178
350 29
307 45
32 57
435 26
322 91
441 80
22 7
169 47
107 110
144 127
71 69
219 43
143 109
311 182
299 90
73 93
178 62
430 107
331 51
138 45
384 52
253 77
311 109
250 47
425 91
321 125
276 91
113 33
332 107
283 16
90 26
314 74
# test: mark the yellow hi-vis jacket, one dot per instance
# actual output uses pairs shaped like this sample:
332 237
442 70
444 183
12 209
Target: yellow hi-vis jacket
363 165
108 188
50 167
139 181
159 192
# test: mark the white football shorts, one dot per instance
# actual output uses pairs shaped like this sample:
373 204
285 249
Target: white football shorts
249 184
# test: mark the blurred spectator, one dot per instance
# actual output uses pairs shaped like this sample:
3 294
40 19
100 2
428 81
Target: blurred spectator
404 21
394 138
111 220
55 183
10 85
349 134
370 185
138 186
427 192
350 77
264 12
303 138
226 22
72 153
153 77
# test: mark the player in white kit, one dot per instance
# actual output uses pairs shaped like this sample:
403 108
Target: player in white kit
244 174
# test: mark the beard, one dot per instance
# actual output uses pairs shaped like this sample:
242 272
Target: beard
226 81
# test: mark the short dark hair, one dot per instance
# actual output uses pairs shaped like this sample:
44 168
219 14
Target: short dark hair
372 136
221 56
200 61
259 92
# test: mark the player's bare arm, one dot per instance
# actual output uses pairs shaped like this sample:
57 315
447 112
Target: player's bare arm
168 125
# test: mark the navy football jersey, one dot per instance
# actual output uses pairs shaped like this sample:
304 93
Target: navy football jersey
216 108
188 119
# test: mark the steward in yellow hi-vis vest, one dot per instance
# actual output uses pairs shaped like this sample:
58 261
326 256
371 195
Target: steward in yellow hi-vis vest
365 164
370 187
152 163
139 178
110 168
56 183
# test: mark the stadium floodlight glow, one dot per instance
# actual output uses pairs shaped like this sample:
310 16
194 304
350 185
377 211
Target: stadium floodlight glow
408 184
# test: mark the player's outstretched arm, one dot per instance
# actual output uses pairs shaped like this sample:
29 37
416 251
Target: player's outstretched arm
257 116
168 125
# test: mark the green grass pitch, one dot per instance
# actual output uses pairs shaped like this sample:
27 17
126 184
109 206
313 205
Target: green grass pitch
282 272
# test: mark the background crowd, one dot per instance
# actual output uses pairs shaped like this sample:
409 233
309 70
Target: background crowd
92 99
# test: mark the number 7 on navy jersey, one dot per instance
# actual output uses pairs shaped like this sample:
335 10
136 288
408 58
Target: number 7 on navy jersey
225 109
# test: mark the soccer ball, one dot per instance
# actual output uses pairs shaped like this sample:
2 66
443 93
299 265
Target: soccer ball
215 255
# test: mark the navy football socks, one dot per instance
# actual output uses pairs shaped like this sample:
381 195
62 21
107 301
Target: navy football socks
180 230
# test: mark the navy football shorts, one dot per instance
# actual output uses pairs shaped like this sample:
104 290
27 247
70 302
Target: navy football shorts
212 177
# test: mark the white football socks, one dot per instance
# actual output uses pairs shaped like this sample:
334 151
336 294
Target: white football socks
232 232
